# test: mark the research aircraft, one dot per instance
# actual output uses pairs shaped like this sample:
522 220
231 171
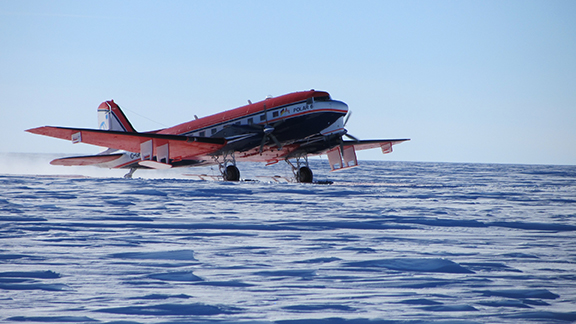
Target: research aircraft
290 127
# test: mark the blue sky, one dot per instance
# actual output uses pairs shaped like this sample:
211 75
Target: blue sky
467 81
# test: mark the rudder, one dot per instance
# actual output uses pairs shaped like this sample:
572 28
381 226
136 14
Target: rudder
111 117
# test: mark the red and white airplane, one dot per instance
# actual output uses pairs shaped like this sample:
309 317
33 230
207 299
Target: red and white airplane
289 127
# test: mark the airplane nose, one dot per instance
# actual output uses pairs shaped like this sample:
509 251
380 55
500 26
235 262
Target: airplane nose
340 107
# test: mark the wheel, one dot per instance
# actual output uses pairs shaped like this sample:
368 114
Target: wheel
232 173
304 175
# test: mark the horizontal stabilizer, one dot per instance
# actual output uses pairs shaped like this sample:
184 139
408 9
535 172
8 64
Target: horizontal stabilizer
180 146
86 160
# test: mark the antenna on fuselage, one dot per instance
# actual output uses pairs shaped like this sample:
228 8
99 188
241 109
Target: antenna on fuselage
135 113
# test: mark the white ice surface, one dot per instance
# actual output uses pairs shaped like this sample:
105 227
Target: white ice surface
388 242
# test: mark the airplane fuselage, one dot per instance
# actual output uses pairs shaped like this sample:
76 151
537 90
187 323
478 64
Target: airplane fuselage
289 118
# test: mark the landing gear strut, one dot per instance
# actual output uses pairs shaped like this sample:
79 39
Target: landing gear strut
130 173
228 167
301 170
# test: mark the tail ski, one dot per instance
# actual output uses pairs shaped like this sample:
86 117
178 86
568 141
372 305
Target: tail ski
111 117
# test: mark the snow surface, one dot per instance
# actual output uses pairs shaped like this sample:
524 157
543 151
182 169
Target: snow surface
388 242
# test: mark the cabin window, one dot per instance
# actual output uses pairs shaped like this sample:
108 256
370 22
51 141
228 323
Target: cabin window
213 131
237 123
262 117
250 121
275 114
202 134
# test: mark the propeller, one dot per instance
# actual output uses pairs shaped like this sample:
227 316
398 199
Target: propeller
341 140
354 138
268 130
347 117
346 132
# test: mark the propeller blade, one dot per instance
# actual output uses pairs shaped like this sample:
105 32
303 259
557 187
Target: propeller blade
275 141
276 124
347 117
267 131
265 114
262 144
352 137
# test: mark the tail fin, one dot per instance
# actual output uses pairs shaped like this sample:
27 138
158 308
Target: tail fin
110 117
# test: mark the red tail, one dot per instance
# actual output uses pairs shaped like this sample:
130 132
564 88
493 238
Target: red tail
111 117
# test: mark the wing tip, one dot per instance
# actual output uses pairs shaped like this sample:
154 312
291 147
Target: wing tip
42 130
34 130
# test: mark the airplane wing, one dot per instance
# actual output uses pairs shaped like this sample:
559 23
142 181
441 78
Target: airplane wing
86 160
179 146
385 144
271 155
344 156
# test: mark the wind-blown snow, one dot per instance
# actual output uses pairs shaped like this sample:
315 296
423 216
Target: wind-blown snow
388 242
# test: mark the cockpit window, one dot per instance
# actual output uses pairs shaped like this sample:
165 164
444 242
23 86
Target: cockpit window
323 98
